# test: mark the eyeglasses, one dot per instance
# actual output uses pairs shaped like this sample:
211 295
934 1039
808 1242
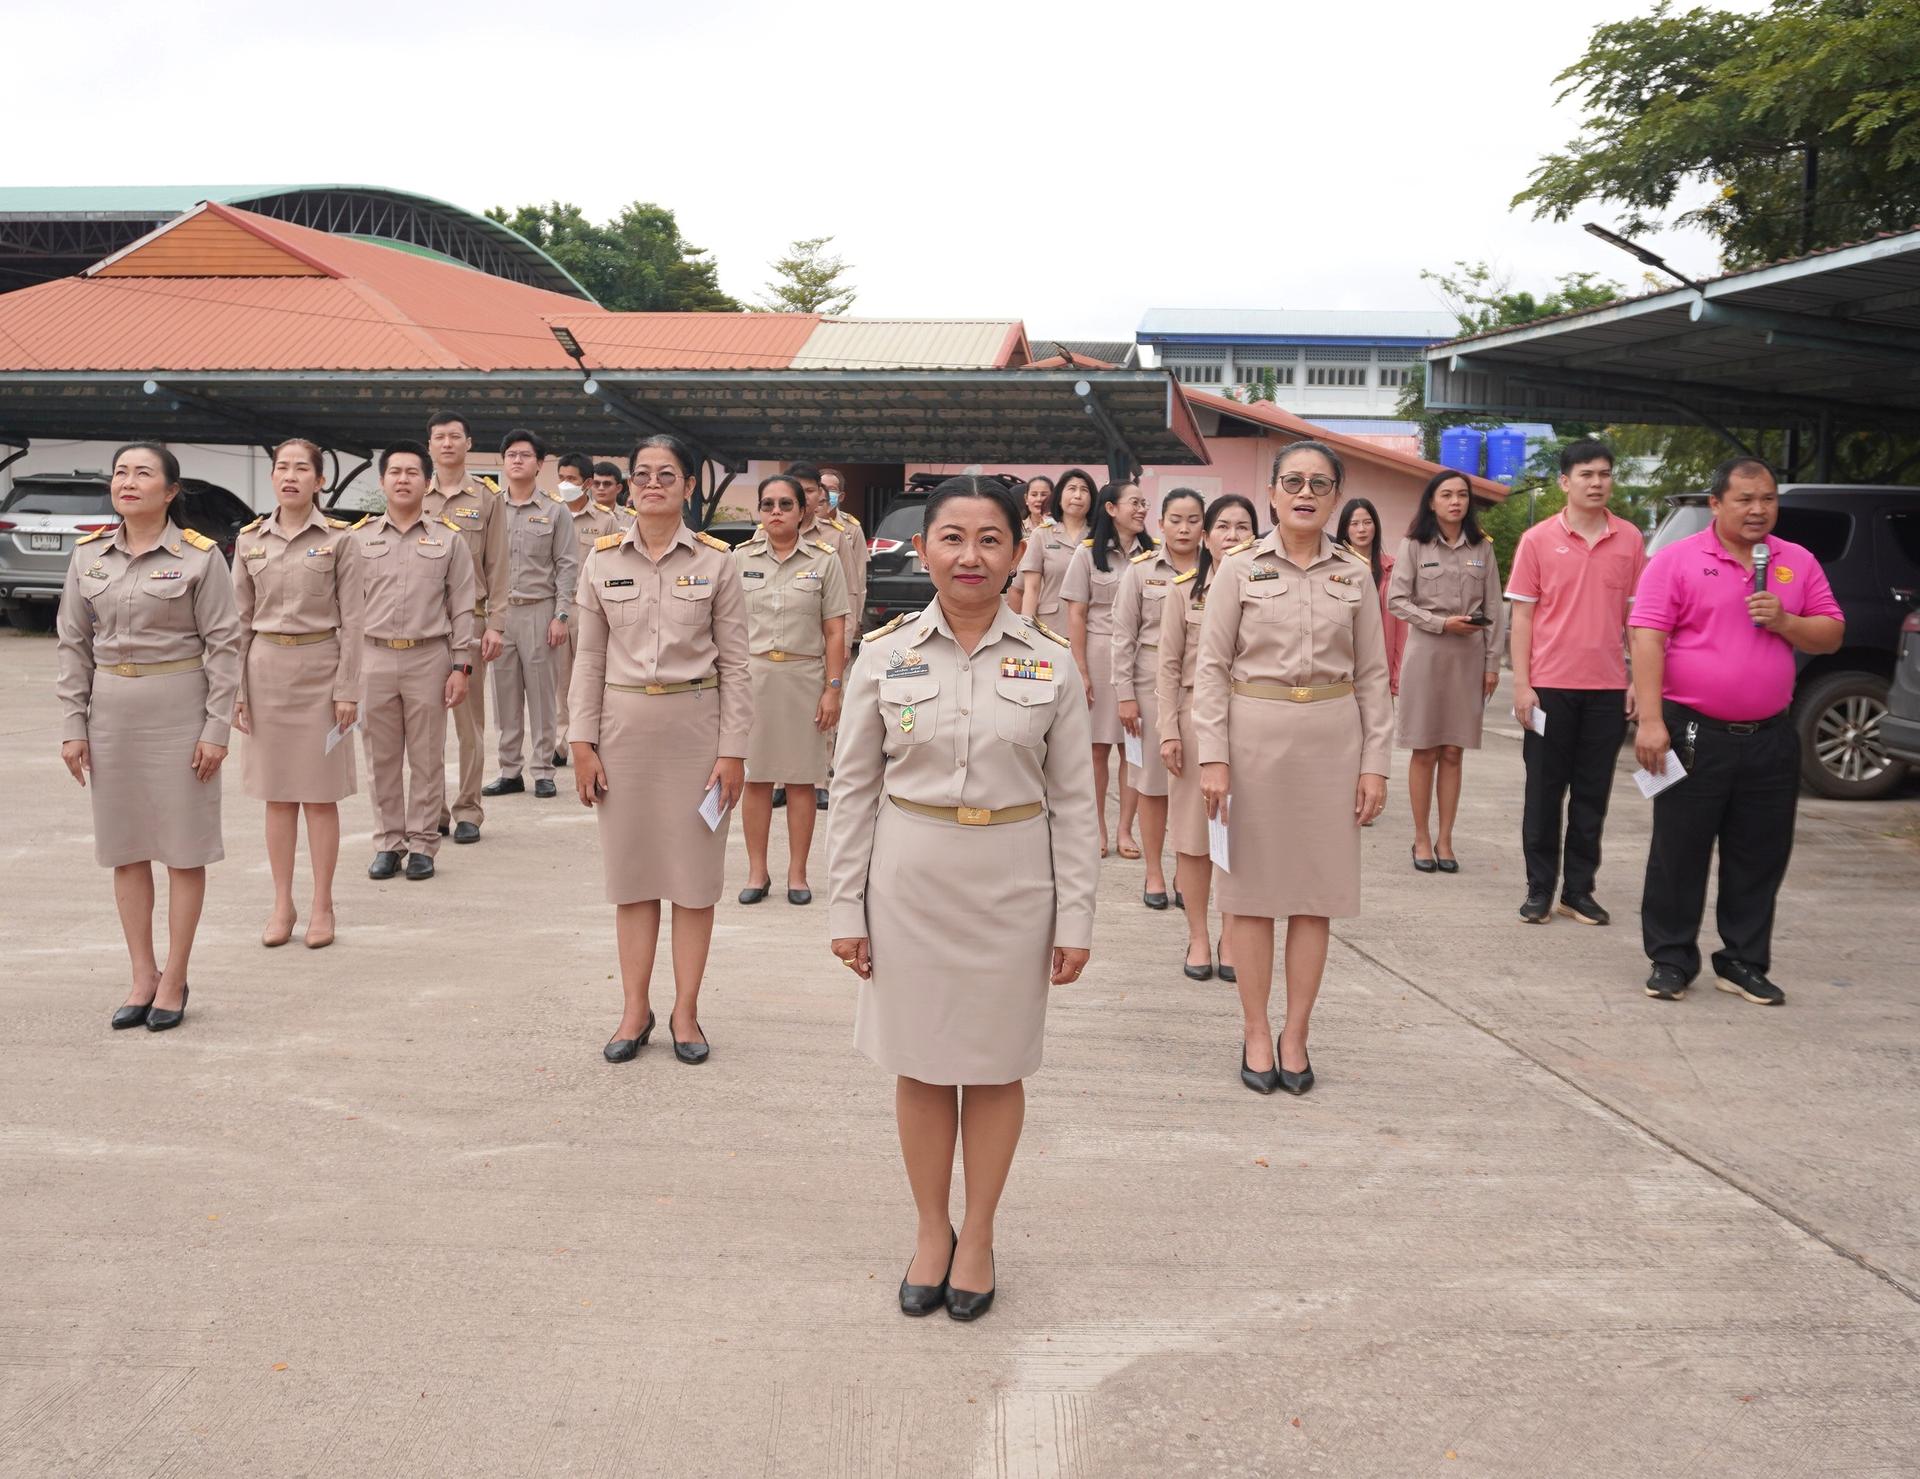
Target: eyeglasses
666 477
1293 482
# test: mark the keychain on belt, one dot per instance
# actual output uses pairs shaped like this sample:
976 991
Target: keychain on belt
1686 752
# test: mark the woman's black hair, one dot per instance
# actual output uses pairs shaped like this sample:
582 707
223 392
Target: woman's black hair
1203 571
1054 510
968 485
680 451
1426 525
1106 538
1359 506
169 467
1193 493
799 493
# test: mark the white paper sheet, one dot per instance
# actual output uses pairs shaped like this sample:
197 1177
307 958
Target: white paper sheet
1536 720
1652 785
337 734
711 811
1132 746
1217 848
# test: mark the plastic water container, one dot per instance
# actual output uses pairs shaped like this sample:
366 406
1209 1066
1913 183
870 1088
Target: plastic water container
1506 454
1460 448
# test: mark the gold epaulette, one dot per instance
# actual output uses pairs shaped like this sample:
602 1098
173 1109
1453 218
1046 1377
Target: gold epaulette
1352 554
450 523
824 547
333 523
835 522
97 534
712 543
488 483
195 538
1143 556
249 528
608 541
1045 523
364 519
1186 575
1245 544
1087 543
883 630
1046 631
556 497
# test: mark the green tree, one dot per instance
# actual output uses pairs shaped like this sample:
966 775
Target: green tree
637 262
807 280
1803 119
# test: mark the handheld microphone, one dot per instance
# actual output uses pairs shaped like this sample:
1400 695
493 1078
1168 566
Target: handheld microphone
1761 554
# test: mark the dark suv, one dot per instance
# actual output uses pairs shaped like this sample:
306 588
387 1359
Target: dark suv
1867 539
896 580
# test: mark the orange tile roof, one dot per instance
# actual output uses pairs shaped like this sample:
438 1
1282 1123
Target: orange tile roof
687 341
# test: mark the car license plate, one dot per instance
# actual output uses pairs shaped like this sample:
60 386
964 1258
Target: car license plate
43 541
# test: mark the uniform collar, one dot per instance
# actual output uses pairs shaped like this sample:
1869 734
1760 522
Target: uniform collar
759 544
169 540
1709 538
682 537
1005 624
314 518
386 517
1270 545
470 484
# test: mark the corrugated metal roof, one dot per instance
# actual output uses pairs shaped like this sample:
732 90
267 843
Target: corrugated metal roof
914 344
1122 352
689 341
1288 323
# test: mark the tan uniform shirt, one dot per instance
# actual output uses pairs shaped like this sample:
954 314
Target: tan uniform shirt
543 562
593 522
674 621
787 600
475 509
1001 726
416 582
1433 581
171 603
1050 550
1269 620
1143 590
298 586
849 541
1180 616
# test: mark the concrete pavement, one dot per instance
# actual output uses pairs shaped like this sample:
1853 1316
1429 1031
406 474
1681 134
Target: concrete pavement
382 1209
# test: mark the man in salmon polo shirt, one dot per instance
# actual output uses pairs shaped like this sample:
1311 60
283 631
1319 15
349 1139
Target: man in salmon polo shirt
1713 667
1573 579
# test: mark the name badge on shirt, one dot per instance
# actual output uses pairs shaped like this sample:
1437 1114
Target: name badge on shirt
906 664
1037 668
753 575
166 575
692 580
624 580
1156 582
429 541
1263 574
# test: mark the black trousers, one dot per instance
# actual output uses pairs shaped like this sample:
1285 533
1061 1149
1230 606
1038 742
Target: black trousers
1741 791
1570 767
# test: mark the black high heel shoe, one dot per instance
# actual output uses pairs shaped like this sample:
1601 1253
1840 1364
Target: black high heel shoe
1196 972
690 1052
1265 1081
626 1049
1294 1083
131 1016
1420 864
924 1299
159 1019
965 1304
1224 971
1446 865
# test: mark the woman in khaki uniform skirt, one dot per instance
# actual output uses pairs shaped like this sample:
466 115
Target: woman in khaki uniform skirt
796 593
1144 586
961 852
149 663
1050 549
300 648
1230 523
1093 578
662 706
1294 722
1446 587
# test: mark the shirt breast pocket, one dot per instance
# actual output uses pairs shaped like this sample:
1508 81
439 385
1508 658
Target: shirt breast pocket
1260 600
1023 709
166 590
691 606
439 550
620 604
317 573
1340 601
908 709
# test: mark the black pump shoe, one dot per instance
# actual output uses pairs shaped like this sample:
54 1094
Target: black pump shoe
626 1049
690 1052
1196 972
1294 1083
1265 1081
965 1304
131 1016
1155 901
799 896
159 1019
924 1299
1224 971
1424 865
754 893
1446 865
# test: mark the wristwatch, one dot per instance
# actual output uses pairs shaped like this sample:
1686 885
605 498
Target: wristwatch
463 667
561 615
833 682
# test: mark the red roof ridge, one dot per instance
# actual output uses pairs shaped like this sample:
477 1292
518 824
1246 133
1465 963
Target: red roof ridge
402 323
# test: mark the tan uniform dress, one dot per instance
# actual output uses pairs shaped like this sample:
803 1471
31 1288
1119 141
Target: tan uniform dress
1442 679
1144 586
1050 550
1180 615
417 599
848 540
1088 585
149 666
787 600
592 522
475 511
300 654
543 568
963 910
1274 633
660 686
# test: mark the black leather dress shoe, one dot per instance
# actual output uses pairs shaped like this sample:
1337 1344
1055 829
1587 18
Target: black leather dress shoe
419 866
1538 909
131 1016
755 894
625 1049
466 832
159 1019
799 896
779 797
1667 983
1424 865
1155 901
1263 1082
924 1299
545 790
1294 1083
506 785
1750 981
444 829
965 1304
559 757
690 1052
383 866
1585 908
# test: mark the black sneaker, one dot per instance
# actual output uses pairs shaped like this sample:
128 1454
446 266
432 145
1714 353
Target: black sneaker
1666 983
1538 909
1585 908
1741 979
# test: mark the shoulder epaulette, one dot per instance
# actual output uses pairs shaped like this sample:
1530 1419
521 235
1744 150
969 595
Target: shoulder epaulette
1186 575
624 512
608 541
824 547
450 523
333 523
364 519
249 528
488 483
195 538
1245 544
1087 543
712 543
882 631
1046 631
835 522
97 534
1349 552
1143 556
556 497
1046 522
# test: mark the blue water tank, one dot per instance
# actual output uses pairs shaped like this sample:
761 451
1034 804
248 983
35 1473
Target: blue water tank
1460 448
1506 454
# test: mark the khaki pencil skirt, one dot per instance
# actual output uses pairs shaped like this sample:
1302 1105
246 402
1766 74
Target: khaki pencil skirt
1150 776
290 710
1442 698
1186 807
783 745
658 750
1294 842
1105 714
148 805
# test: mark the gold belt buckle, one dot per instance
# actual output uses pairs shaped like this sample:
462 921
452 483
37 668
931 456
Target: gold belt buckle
654 688
1300 695
123 670
973 816
401 644
777 656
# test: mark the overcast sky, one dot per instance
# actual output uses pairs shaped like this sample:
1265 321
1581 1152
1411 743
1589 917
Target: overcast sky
1071 165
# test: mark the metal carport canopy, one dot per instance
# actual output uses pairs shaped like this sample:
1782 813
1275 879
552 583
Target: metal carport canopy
938 416
1834 335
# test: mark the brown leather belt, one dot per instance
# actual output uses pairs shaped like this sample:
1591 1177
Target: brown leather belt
972 816
299 639
401 644
654 690
154 669
1302 695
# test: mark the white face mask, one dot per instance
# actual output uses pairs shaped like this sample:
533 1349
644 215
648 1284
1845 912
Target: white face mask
570 491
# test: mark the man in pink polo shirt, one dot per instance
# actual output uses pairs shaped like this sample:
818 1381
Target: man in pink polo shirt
1573 579
1713 669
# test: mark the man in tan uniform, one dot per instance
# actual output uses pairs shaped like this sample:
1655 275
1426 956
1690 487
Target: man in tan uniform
543 571
417 600
821 524
472 504
593 517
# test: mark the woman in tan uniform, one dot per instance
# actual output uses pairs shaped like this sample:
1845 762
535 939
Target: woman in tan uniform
300 647
662 705
1037 498
961 852
1293 721
1144 586
796 594
149 663
1230 522
1446 587
1050 549
1119 533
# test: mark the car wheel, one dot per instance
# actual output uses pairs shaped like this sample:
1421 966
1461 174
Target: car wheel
32 616
1842 754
